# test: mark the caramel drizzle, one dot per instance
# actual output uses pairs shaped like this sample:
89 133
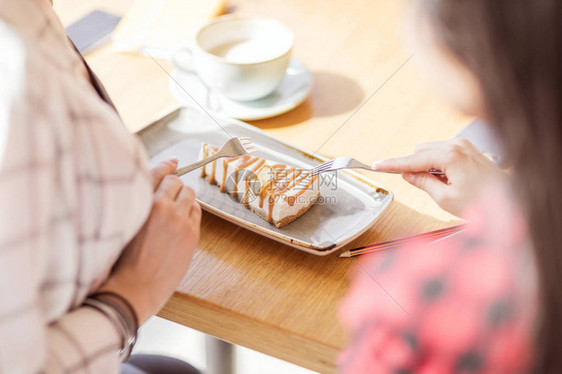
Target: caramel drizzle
235 192
260 163
223 185
205 155
271 201
212 179
247 190
249 160
290 183
264 190
255 169
281 188
225 168
207 149
251 179
246 161
277 174
272 194
292 199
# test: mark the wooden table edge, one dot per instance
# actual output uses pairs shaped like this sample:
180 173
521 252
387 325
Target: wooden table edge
232 327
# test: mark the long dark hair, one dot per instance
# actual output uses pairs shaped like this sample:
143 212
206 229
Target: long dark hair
514 47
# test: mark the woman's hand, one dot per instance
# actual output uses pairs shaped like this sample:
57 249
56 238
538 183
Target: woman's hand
155 261
467 171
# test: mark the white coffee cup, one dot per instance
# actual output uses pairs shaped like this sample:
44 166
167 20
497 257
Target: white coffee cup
244 58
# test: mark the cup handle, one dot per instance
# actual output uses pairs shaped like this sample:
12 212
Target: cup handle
182 58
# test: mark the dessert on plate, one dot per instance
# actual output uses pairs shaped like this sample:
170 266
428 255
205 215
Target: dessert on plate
276 192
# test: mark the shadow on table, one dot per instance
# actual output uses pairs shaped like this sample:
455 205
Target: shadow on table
397 222
331 94
240 272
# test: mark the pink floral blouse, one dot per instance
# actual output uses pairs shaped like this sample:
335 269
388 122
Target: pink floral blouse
466 304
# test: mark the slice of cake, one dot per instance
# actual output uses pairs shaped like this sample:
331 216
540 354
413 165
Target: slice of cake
276 192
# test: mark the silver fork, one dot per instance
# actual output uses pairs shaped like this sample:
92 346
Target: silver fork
351 163
232 148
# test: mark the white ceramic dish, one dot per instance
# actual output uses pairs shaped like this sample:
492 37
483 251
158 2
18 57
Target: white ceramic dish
243 58
351 203
292 91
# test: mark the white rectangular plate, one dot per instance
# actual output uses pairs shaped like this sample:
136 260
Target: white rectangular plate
350 203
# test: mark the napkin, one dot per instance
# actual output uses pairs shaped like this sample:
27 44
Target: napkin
157 27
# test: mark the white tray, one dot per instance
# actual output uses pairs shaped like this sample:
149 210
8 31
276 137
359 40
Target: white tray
350 202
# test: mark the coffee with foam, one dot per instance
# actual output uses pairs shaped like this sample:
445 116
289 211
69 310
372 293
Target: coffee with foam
243 58
247 51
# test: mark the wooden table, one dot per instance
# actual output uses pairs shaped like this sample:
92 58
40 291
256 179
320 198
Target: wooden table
367 102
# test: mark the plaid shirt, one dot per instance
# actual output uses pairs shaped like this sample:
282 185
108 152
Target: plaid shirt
74 189
465 304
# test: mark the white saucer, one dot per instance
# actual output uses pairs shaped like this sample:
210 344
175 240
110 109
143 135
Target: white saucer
292 91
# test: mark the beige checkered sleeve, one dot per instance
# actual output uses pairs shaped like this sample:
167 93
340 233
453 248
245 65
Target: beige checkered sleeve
74 190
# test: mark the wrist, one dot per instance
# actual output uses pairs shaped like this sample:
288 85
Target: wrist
136 297
121 305
121 314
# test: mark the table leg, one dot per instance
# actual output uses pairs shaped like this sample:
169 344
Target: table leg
219 356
